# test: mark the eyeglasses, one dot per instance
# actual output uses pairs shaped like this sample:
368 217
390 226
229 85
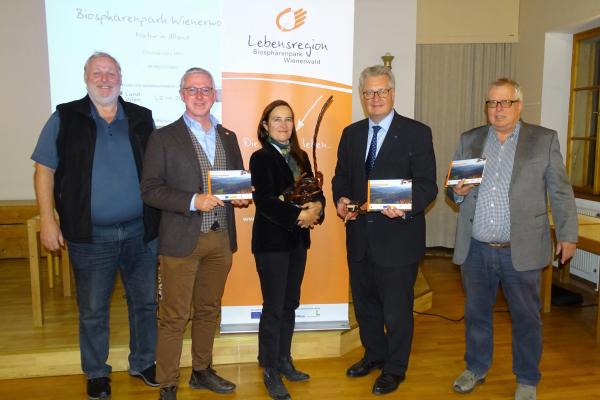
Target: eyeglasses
193 91
503 103
382 93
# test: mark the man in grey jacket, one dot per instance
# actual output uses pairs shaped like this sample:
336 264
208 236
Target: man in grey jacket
503 233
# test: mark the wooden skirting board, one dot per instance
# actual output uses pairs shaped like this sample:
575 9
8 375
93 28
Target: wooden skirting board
228 348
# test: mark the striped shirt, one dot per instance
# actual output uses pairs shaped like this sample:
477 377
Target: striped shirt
492 213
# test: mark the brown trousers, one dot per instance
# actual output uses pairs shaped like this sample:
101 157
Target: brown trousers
198 280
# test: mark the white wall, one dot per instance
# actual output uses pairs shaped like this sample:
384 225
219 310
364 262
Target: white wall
556 85
379 25
467 21
545 55
25 99
537 51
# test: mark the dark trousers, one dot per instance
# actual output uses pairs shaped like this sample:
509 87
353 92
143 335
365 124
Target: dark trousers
383 303
280 276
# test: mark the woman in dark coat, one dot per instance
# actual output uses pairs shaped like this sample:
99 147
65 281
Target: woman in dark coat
280 239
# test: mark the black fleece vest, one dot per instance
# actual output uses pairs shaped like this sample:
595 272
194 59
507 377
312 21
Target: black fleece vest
76 143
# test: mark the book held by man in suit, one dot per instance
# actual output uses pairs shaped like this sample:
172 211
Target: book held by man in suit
389 193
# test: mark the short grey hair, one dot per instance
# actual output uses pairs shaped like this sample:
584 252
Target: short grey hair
509 82
376 70
99 54
196 70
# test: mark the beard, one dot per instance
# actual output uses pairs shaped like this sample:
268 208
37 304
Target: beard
101 100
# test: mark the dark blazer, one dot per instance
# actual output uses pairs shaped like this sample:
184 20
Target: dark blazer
406 153
170 178
275 227
538 175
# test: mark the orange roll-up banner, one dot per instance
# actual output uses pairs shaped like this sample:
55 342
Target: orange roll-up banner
301 52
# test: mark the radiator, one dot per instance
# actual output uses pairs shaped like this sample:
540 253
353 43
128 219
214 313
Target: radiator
585 264
588 211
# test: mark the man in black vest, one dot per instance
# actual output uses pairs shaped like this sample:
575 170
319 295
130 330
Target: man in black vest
197 231
88 163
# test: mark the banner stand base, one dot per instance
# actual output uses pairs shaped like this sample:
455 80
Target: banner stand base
299 327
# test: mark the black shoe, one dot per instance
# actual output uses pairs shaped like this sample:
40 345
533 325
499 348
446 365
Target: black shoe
168 393
98 388
208 379
274 384
148 375
363 367
387 383
287 369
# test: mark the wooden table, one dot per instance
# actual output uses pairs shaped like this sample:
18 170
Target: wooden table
33 227
588 240
13 227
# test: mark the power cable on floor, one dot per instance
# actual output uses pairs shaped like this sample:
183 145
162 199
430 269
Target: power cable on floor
440 316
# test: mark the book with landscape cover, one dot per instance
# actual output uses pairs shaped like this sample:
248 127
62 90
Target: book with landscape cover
471 170
230 184
385 193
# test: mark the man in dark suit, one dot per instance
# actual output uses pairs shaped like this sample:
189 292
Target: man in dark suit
503 233
196 234
384 249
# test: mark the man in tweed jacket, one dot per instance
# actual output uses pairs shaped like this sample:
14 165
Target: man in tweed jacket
197 232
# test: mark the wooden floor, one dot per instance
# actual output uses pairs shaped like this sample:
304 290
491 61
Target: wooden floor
570 363
60 314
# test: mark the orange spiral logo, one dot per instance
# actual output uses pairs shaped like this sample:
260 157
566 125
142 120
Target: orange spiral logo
288 20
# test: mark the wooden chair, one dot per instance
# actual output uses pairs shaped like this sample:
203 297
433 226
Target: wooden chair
52 260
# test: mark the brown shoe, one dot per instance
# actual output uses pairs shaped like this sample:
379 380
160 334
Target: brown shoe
208 379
